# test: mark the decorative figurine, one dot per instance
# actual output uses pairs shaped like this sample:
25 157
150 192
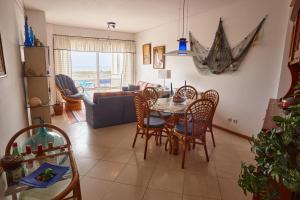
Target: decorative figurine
31 37
27 42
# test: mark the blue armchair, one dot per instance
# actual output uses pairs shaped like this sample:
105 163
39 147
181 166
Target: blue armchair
69 92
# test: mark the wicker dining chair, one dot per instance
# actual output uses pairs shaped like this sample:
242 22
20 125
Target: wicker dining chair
212 95
187 91
193 129
151 96
146 125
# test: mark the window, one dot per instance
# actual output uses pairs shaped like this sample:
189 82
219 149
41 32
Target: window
84 60
84 68
98 70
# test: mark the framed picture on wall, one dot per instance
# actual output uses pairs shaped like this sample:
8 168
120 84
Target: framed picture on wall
147 54
2 63
159 57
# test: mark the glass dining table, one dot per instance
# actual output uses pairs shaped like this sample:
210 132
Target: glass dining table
177 110
167 105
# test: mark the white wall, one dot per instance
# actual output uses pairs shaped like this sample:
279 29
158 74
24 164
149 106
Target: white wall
12 103
243 94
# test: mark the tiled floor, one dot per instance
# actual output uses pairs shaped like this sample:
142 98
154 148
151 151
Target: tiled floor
111 170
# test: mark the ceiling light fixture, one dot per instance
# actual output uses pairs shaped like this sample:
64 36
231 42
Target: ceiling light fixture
182 47
110 26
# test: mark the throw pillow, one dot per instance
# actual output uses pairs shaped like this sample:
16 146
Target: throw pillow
133 87
124 88
68 92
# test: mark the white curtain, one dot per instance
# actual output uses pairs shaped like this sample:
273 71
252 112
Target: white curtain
123 54
63 62
93 44
123 65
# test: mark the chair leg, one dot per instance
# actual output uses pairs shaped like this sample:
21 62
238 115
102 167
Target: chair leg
166 144
189 146
136 134
156 137
146 147
212 135
160 135
183 155
77 192
194 144
206 154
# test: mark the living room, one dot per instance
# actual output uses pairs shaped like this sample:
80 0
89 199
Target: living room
102 60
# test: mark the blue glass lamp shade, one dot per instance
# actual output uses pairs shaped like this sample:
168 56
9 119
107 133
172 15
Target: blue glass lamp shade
182 44
182 49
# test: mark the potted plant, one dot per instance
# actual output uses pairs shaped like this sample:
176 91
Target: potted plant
58 107
276 174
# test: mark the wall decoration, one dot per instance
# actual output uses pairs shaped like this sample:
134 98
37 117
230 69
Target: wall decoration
159 57
220 57
147 54
2 63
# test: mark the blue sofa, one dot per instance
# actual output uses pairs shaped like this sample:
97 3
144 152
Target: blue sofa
110 109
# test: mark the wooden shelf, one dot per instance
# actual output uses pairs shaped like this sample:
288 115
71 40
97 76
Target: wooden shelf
22 45
40 106
37 76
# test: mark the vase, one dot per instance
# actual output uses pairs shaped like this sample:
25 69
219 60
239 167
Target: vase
58 108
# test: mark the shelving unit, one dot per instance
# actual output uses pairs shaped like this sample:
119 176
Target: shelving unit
37 83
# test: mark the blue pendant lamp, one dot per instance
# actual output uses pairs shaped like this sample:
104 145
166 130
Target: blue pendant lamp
182 47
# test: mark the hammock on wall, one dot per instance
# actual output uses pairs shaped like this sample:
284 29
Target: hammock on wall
221 57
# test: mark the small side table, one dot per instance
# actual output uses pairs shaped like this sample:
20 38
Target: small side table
69 185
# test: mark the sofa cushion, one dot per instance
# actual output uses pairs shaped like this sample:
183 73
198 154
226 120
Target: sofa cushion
99 95
133 87
142 85
124 88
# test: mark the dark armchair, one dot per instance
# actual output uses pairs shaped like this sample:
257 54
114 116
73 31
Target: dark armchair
69 92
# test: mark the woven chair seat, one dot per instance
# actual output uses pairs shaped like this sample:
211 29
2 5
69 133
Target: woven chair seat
179 128
155 122
76 96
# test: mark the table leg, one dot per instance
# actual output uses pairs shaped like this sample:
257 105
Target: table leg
14 196
175 145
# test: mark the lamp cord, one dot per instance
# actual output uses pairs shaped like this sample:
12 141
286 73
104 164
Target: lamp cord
183 13
179 19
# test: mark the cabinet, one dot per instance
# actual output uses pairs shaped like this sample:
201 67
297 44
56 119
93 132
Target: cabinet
294 54
37 83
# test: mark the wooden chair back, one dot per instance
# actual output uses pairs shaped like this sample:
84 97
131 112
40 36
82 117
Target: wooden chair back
142 109
199 113
187 91
212 95
150 95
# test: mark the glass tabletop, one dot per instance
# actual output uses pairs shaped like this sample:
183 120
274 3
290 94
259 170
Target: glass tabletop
167 105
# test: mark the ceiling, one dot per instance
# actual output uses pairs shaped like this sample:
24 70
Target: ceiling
130 15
